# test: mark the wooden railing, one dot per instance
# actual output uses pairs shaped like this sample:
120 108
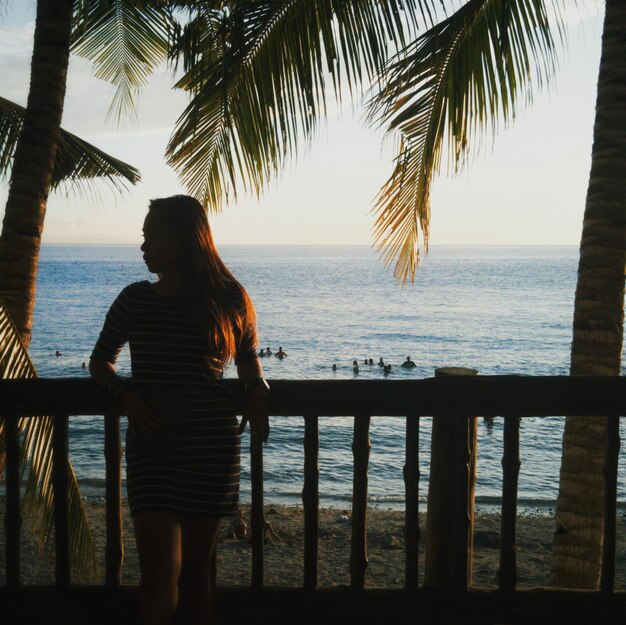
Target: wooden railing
458 397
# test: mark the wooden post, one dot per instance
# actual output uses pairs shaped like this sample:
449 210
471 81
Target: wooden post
13 517
507 573
607 578
61 507
361 453
450 511
114 549
411 483
311 500
465 456
257 515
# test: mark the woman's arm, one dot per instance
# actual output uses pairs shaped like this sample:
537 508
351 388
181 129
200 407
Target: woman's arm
101 371
256 407
129 401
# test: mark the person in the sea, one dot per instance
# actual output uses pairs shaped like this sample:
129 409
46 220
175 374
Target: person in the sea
408 363
387 369
58 353
355 366
182 330
268 351
262 354
280 353
370 362
334 367
381 363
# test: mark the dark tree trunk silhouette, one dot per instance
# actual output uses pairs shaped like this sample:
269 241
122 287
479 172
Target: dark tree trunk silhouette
598 318
34 162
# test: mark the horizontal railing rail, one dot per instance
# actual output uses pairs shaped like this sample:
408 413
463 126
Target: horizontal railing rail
521 396
510 397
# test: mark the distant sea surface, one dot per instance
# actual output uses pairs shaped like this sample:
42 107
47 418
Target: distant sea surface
501 310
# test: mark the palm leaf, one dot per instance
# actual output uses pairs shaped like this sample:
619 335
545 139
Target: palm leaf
36 460
441 93
126 40
257 76
76 160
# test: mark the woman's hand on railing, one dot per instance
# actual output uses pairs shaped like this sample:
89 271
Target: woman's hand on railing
139 413
256 412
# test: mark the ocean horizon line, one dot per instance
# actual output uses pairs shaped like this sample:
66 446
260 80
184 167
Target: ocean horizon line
333 245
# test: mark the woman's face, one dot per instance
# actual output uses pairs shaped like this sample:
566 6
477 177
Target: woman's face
160 249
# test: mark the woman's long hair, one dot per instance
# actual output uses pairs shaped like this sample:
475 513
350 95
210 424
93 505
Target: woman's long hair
216 300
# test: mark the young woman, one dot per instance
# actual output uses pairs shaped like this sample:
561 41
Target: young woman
183 438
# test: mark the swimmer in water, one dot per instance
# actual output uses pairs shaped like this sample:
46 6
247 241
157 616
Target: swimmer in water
370 362
408 363
280 353
355 366
334 367
262 354
381 363
58 353
387 369
268 351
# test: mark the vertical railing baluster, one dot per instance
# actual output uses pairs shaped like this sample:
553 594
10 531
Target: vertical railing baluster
361 453
472 423
507 573
411 484
461 440
465 441
257 515
607 578
13 517
311 499
60 487
114 549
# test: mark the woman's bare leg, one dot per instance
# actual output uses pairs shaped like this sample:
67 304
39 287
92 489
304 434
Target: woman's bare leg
158 536
199 538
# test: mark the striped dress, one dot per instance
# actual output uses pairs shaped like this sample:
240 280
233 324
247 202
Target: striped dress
167 351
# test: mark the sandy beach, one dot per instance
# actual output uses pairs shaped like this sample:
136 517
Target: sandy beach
284 554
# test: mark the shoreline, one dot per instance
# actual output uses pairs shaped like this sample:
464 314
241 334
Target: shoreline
284 555
490 505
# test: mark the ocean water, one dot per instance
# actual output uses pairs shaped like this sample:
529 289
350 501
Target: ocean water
501 310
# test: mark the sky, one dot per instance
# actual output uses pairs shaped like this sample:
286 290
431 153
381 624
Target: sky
526 186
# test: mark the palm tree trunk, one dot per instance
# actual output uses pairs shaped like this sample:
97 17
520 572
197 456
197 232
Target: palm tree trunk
598 318
34 162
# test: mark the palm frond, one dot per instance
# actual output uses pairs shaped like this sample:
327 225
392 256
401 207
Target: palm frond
76 162
257 75
447 88
126 40
36 460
